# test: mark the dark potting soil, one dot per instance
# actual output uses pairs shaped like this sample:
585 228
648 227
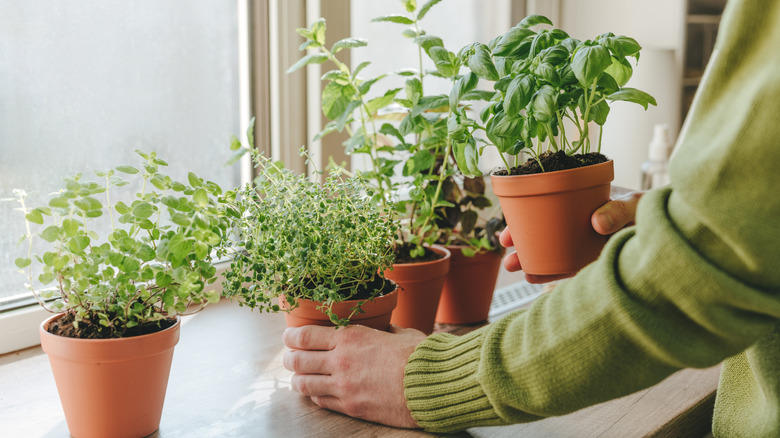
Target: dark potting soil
63 326
552 161
368 290
403 255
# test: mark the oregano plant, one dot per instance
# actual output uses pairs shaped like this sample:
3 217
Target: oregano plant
155 262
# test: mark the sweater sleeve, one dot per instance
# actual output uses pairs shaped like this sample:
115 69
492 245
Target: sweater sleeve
694 282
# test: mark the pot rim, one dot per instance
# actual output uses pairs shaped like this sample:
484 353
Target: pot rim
555 181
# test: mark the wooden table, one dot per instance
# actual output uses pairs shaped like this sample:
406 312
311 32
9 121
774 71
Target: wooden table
227 380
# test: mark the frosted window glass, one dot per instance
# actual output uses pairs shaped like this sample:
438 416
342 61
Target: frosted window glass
85 83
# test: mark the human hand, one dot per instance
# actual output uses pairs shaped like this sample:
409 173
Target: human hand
354 370
607 219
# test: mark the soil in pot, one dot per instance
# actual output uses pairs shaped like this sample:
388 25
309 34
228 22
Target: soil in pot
552 161
419 283
90 330
403 255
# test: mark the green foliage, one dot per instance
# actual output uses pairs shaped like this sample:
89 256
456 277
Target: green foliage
154 263
542 79
416 156
297 238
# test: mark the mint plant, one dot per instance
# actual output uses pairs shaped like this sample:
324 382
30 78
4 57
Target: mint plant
155 263
542 79
298 239
413 165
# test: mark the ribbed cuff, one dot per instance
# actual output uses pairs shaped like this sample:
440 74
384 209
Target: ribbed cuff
441 386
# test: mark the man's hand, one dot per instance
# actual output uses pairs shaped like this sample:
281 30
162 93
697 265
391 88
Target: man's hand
354 370
609 218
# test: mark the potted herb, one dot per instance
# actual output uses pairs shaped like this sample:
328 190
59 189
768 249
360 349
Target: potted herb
451 208
551 90
118 297
421 266
319 249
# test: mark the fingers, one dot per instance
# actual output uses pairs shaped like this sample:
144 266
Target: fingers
313 385
309 337
511 262
505 238
328 402
306 362
616 214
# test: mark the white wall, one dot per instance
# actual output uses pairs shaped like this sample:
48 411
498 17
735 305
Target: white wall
658 27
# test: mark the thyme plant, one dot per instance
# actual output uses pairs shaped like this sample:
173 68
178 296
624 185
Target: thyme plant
155 262
299 239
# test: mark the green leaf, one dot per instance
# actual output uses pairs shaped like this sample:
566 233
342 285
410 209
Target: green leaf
59 202
145 253
88 203
312 58
620 70
518 94
425 8
442 58
427 42
378 103
481 63
162 279
336 99
235 143
420 161
428 103
201 250
463 85
467 157
121 208
589 62
51 233
633 95
130 264
533 20
181 219
400 19
598 113
22 262
70 226
127 169
544 104
194 180
348 43
201 197
35 217
510 41
143 210
78 243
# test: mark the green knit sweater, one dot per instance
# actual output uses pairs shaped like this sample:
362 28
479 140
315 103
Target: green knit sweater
696 281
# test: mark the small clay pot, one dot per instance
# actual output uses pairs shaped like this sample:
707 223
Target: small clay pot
111 387
548 215
419 287
468 287
376 313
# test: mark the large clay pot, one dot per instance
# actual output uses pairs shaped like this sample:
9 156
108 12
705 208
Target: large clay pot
419 287
376 313
548 215
111 387
468 287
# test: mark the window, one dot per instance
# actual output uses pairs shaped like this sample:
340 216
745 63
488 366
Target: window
84 84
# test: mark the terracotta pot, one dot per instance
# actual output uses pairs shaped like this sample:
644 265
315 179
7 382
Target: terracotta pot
468 287
376 312
111 387
548 215
420 289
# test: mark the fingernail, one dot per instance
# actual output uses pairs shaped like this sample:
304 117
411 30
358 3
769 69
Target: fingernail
605 222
